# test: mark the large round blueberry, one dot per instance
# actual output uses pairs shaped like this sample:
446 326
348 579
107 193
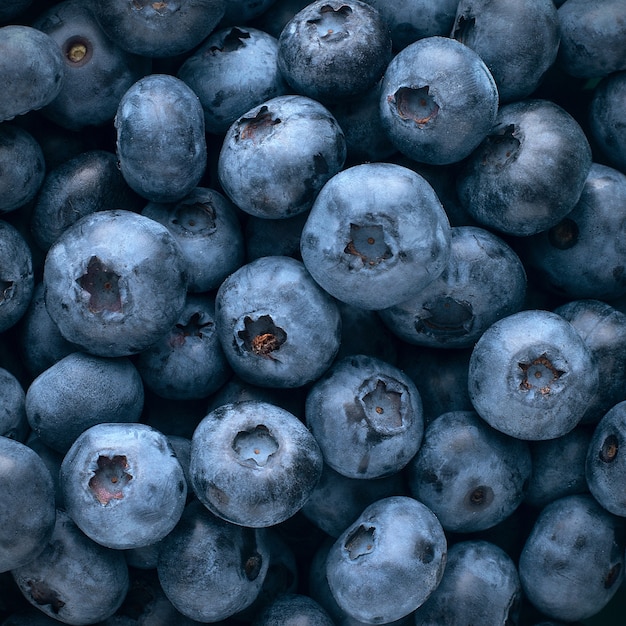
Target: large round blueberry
277 156
388 562
532 376
277 327
161 145
123 485
366 416
376 235
438 100
115 282
254 463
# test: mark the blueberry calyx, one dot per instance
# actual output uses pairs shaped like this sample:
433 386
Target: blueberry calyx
612 576
193 328
415 103
384 405
110 478
257 127
564 235
42 595
195 218
233 40
6 290
360 542
539 375
158 7
102 285
463 28
445 316
255 446
368 243
77 51
481 496
262 336
610 448
501 146
331 25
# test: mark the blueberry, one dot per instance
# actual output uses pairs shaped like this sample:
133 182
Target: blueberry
438 100
469 474
483 282
293 609
532 376
211 569
35 83
277 156
529 171
74 580
123 485
480 585
388 562
234 70
13 422
376 235
366 416
161 144
115 282
253 463
572 563
277 327
333 49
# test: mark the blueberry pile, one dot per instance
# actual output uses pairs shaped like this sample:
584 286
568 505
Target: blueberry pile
313 313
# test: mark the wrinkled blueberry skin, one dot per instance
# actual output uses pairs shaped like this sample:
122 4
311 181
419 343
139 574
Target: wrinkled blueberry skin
438 101
277 156
17 279
604 466
583 254
211 569
74 580
558 467
84 184
253 463
504 33
572 563
13 422
529 171
480 585
208 232
158 29
22 166
161 145
277 327
376 235
188 361
470 475
97 71
233 71
532 376
591 38
372 575
31 62
334 49
79 391
606 115
366 416
123 485
483 282
26 485
114 282
293 609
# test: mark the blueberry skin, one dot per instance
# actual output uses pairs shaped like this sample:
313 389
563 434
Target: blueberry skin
235 69
583 254
97 70
115 282
532 376
480 585
277 327
483 282
17 279
159 29
253 463
438 101
371 576
504 33
86 183
470 475
277 156
366 416
188 361
13 422
211 569
208 232
292 609
22 165
74 580
331 49
376 235
572 563
530 170
79 391
33 84
161 145
123 485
